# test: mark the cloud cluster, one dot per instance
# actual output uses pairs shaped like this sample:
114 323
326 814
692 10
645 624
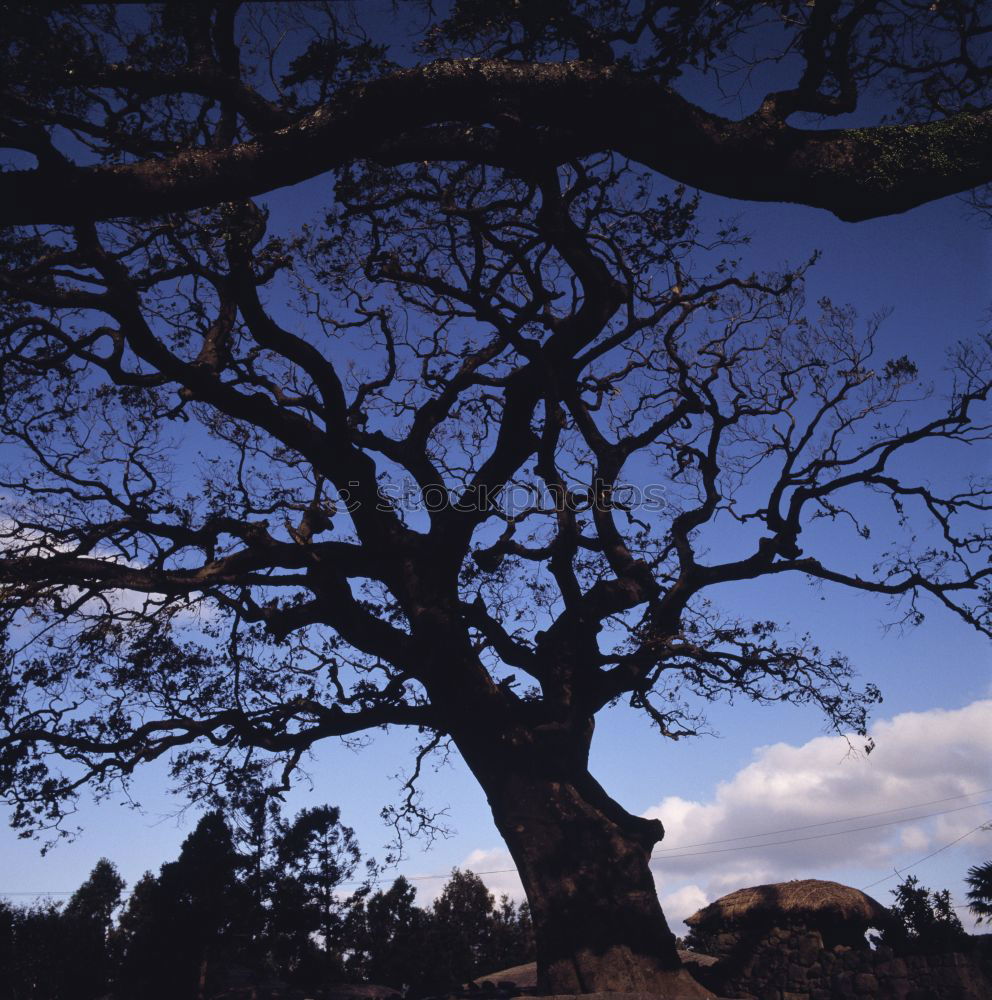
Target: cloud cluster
809 792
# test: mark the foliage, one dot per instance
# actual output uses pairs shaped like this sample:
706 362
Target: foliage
263 909
34 953
924 921
979 894
388 938
267 894
464 934
471 934
48 952
178 924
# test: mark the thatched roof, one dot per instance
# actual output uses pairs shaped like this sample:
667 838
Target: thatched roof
810 900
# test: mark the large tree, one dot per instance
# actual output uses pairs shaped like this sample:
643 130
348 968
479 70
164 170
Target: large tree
267 489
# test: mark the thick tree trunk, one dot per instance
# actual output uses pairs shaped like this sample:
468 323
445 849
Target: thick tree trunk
583 861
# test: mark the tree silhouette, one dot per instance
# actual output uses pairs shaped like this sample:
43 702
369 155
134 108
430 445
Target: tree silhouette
389 938
925 920
98 897
979 894
462 918
176 926
407 427
315 854
473 935
87 943
145 942
463 935
32 950
255 824
48 952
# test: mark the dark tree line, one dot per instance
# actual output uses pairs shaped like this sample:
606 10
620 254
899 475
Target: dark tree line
52 951
261 901
492 299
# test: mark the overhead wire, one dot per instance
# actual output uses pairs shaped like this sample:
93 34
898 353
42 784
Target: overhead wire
820 836
739 847
828 822
927 857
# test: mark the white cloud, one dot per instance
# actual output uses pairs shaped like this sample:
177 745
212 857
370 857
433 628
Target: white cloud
920 757
495 867
682 903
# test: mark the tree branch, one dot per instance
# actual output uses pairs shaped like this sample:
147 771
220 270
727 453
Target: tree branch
440 111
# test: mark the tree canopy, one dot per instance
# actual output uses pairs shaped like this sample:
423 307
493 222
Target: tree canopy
450 456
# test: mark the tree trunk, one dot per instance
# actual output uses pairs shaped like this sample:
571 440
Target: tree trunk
583 861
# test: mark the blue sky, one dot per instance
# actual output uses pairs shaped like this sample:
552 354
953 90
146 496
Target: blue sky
769 768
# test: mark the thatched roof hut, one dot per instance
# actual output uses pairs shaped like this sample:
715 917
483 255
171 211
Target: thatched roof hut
841 913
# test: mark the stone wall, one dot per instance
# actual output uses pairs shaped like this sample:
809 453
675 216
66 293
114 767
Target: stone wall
793 964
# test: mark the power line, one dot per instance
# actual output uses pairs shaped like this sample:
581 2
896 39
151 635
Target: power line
829 822
820 836
926 857
725 850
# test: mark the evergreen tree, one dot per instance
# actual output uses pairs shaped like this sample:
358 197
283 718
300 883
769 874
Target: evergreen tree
87 923
98 897
8 920
315 853
145 940
178 925
50 953
510 938
388 938
34 956
462 917
256 822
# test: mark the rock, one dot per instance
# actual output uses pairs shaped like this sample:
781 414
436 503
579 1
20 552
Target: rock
865 982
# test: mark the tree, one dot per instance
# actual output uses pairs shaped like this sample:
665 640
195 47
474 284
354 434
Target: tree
979 894
98 897
462 918
256 823
388 936
510 938
87 943
33 953
293 872
177 925
473 935
52 953
315 854
924 920
463 935
146 943
409 505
